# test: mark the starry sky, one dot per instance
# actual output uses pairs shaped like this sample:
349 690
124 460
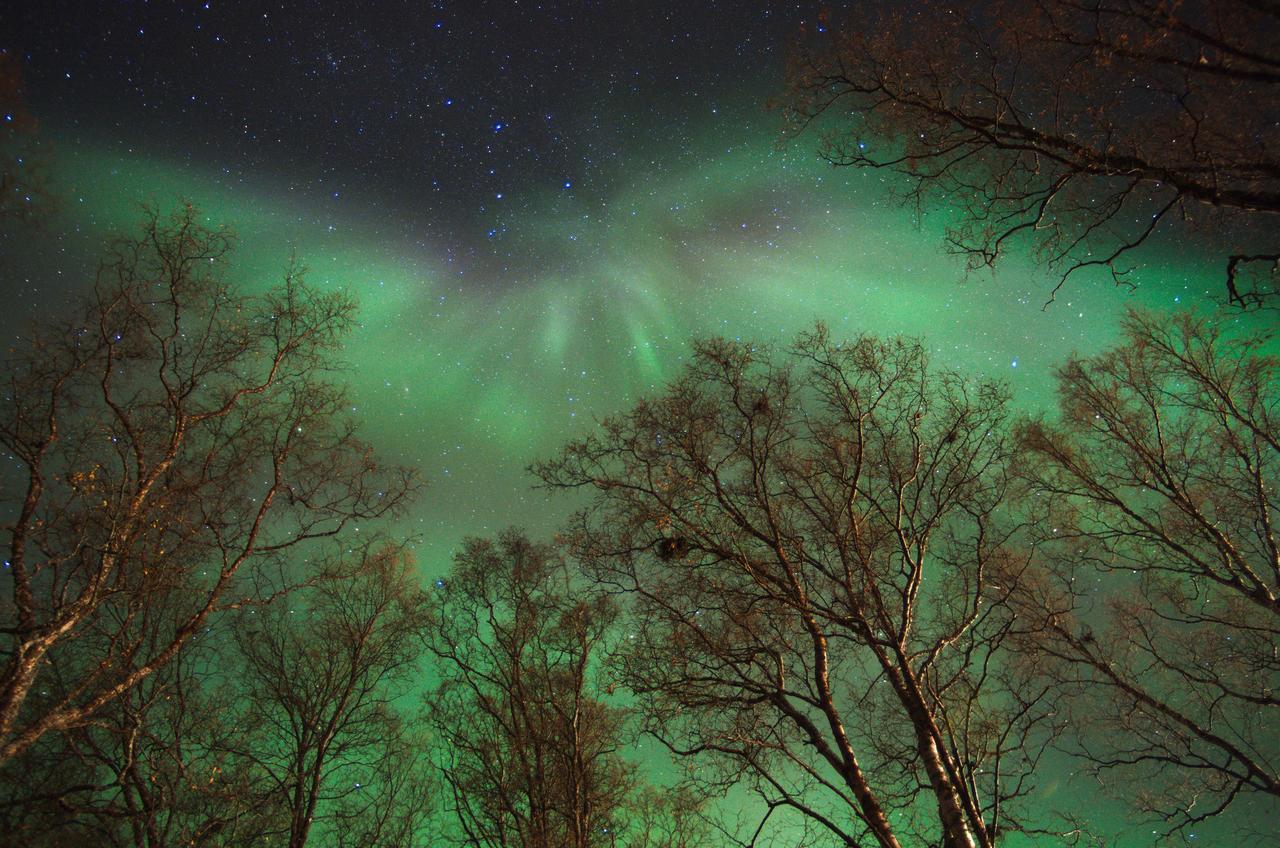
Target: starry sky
537 204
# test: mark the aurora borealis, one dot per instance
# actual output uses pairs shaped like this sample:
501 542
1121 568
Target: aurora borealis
537 209
471 374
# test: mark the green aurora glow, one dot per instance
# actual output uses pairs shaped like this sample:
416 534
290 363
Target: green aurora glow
471 376
472 368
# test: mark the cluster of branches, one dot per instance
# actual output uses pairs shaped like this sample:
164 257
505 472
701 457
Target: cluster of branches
279 726
1084 127
531 743
1159 588
855 583
834 575
180 463
207 640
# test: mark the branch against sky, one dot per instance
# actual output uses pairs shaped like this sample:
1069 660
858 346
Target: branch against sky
173 433
1158 596
1086 130
529 746
819 559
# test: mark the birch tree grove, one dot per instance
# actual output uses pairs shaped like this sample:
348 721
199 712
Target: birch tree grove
530 756
319 676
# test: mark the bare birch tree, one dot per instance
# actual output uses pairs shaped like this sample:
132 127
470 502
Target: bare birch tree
1084 128
529 750
820 568
1158 599
152 769
173 434
324 675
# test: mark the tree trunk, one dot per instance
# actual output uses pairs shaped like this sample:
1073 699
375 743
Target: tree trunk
957 830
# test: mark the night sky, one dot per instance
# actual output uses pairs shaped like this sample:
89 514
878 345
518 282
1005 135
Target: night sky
537 204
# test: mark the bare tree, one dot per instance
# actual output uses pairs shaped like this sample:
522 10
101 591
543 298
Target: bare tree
1158 600
173 434
820 568
277 723
528 749
321 676
1084 127
152 768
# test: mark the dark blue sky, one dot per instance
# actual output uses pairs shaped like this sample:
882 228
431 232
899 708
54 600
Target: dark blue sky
435 108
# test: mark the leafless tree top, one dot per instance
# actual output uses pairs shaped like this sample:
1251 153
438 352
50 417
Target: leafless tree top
1086 128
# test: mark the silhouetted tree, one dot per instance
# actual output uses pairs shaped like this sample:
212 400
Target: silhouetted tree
152 769
831 624
278 725
528 748
321 674
1157 603
1084 127
173 439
